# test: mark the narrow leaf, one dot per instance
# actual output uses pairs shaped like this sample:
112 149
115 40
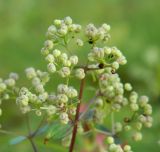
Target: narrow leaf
17 140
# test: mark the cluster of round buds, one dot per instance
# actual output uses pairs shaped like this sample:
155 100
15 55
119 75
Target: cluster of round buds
113 147
103 61
61 63
107 56
94 34
26 99
112 90
8 87
64 101
57 32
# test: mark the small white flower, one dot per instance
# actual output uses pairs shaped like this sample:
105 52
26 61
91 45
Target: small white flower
79 73
49 58
73 59
64 72
57 22
64 118
14 76
62 98
30 73
10 82
115 65
128 86
71 92
56 53
2 87
48 44
63 30
44 51
39 88
68 20
51 110
137 136
51 68
79 42
62 88
52 30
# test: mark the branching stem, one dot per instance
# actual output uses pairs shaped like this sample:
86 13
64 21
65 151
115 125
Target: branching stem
74 133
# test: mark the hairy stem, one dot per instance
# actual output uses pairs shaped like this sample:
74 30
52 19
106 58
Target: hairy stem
74 133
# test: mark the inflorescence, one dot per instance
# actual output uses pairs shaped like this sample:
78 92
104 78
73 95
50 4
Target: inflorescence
102 62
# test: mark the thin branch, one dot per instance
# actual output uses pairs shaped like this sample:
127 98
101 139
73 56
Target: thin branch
9 132
33 145
30 138
74 133
39 126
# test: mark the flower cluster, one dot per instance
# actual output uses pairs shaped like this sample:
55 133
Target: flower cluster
8 88
102 63
112 147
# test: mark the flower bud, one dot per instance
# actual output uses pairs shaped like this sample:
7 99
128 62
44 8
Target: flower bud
51 68
128 86
62 98
79 42
57 22
48 44
73 59
44 51
51 110
14 76
110 140
10 82
56 53
30 73
62 88
115 65
79 73
137 136
49 58
2 87
64 118
71 92
68 20
64 72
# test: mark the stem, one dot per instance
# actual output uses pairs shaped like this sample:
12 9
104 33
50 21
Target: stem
33 145
30 137
10 133
74 132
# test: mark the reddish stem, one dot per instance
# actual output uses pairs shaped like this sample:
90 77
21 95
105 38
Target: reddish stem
74 133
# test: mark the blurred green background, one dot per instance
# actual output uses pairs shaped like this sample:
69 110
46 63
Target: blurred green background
135 30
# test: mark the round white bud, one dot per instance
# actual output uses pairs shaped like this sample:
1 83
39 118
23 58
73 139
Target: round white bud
30 73
128 86
51 68
79 42
56 53
73 59
64 72
49 58
79 73
48 44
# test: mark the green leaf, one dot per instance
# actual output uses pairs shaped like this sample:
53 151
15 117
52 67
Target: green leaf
42 130
17 140
102 129
58 131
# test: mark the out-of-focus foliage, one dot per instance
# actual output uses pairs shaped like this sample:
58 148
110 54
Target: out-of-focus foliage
135 30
